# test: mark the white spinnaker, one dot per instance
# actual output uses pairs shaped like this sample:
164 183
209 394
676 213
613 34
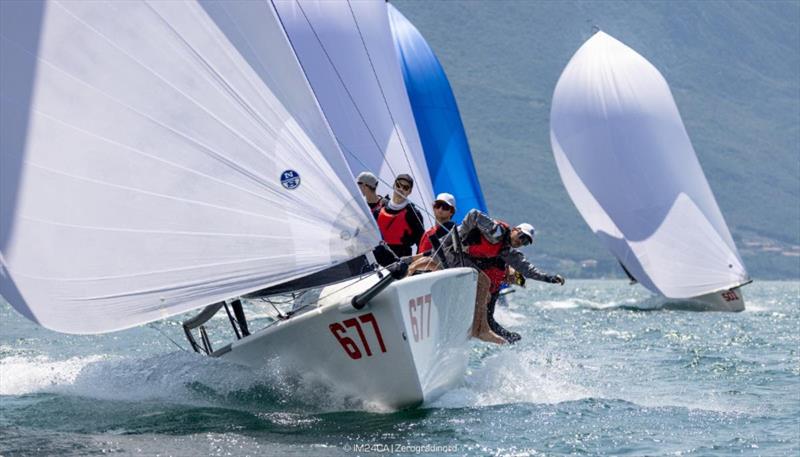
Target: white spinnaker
347 51
628 164
143 145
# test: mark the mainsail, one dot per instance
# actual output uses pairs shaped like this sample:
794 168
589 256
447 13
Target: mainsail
157 157
347 53
628 164
438 120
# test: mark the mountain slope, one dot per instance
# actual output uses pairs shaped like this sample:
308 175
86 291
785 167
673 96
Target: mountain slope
734 69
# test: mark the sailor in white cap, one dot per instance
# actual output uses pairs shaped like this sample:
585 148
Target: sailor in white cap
491 246
444 207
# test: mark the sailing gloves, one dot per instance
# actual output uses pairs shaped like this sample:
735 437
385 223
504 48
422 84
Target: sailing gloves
556 279
519 279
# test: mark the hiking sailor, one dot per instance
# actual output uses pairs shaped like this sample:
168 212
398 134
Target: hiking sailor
400 223
490 246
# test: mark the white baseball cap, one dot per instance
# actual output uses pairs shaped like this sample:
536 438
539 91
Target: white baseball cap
528 230
446 198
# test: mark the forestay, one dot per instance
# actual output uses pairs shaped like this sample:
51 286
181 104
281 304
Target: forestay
629 166
347 52
437 118
158 157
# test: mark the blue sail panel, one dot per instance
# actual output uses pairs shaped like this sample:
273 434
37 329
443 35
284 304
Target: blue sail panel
438 120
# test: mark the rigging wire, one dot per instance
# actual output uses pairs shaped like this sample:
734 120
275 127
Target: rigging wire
344 86
153 326
358 110
425 207
345 286
383 95
433 256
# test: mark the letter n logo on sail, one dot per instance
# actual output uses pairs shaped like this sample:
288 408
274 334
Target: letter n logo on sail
290 179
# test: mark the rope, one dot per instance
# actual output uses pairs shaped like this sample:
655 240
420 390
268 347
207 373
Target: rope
152 326
336 291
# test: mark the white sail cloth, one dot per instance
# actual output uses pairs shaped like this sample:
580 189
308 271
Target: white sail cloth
628 165
150 159
349 57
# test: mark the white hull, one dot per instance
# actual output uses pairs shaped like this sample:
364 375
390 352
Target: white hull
724 300
728 300
405 347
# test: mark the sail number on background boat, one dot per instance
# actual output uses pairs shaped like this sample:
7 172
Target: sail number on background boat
417 306
339 330
730 295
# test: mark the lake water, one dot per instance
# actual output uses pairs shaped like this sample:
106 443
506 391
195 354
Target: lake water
593 375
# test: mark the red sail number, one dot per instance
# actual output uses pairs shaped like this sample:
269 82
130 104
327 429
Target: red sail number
730 296
420 318
339 330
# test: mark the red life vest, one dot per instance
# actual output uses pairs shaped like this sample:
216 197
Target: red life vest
393 226
425 242
484 249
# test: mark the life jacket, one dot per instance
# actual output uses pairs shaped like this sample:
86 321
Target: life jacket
485 255
394 227
436 231
425 242
481 248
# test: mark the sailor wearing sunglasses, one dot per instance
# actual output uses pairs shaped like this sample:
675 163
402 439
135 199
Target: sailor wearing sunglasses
400 223
490 246
444 207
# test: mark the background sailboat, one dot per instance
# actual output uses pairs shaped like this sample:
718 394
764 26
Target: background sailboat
628 165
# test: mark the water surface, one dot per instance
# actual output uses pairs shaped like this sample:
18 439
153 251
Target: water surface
593 375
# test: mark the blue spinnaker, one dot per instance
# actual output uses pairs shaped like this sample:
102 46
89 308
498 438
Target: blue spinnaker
436 114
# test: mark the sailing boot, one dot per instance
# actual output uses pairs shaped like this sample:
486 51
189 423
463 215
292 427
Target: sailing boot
509 336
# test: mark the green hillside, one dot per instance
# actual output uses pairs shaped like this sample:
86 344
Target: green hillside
734 69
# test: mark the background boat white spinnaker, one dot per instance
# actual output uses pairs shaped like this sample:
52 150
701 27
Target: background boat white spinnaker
628 164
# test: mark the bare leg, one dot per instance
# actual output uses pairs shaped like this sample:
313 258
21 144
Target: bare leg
423 264
480 323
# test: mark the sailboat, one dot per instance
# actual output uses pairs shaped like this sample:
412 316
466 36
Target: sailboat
626 161
163 157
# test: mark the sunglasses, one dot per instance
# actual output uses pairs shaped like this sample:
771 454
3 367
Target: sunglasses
525 239
401 186
442 205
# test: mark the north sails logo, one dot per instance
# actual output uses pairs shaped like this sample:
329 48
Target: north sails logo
290 179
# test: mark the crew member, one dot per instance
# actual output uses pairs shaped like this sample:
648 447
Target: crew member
368 185
490 246
443 209
400 223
